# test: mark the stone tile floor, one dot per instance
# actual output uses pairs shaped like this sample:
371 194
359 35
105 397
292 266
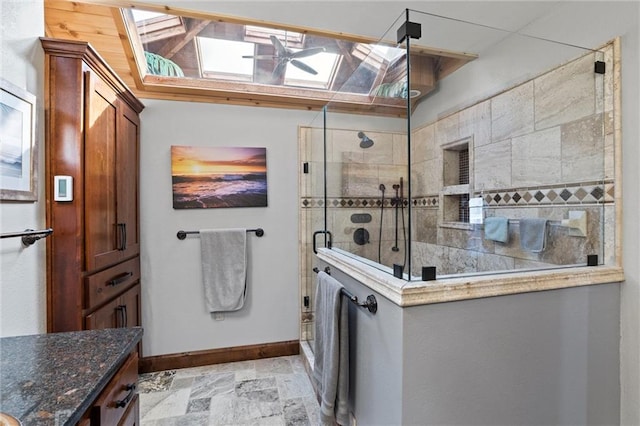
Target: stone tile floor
271 391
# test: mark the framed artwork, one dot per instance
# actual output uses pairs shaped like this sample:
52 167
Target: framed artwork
18 157
214 177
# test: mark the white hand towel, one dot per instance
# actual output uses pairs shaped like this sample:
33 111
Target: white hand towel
224 268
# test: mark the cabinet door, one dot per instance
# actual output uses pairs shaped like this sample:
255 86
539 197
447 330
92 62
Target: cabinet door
132 416
123 311
127 179
131 302
103 233
110 315
132 311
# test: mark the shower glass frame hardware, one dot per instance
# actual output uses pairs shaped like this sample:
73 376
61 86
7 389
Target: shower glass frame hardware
533 139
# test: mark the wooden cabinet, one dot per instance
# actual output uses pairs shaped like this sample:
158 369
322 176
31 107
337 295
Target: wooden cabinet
111 178
92 134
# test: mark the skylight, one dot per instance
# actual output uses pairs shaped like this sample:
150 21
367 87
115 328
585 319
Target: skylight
143 15
323 63
234 60
229 51
223 59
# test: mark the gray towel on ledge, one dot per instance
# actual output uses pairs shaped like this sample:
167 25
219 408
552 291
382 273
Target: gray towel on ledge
331 351
224 268
533 234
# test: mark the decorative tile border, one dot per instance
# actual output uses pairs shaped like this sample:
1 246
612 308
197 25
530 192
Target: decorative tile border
570 194
585 193
352 202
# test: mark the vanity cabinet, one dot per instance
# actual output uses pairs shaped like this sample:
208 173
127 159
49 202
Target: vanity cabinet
118 403
86 378
92 135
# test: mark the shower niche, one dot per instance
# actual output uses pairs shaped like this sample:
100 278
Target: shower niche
457 176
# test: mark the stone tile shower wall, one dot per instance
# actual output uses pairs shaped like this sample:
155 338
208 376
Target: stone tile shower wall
540 149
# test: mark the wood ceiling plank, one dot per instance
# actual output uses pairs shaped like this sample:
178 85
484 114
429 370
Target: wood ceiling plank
69 22
117 63
107 43
288 95
362 109
77 7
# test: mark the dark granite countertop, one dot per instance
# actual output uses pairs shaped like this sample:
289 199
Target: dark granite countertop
52 379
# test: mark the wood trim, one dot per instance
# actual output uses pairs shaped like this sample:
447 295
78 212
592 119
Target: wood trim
217 17
131 46
83 50
218 356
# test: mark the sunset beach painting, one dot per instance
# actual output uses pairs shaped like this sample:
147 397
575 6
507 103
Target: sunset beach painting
213 177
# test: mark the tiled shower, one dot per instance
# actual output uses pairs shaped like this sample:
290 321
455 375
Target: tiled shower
540 149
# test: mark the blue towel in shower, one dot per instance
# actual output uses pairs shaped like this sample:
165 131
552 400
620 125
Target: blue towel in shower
496 229
533 234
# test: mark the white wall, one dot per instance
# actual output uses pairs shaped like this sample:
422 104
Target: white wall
22 270
174 314
630 290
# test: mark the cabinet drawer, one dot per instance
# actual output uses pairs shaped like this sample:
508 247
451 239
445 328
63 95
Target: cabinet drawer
111 282
123 311
118 395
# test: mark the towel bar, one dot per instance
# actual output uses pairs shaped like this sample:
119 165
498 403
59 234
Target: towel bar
183 234
577 222
371 303
29 236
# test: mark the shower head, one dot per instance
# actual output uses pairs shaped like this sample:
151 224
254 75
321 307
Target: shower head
365 141
382 187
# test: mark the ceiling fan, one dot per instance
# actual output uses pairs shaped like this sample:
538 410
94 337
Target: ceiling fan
284 55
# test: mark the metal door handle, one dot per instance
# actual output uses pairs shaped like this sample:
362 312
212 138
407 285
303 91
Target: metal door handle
329 240
119 279
120 403
122 316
